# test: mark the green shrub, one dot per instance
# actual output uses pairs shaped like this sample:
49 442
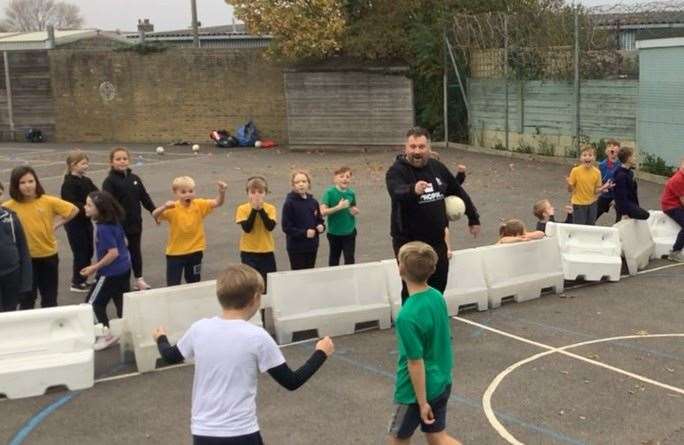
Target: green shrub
499 146
523 148
546 148
656 165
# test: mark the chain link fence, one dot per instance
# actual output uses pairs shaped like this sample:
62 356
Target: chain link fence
548 79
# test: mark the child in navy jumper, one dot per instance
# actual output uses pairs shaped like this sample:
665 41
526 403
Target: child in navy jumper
75 189
15 260
302 222
127 188
625 191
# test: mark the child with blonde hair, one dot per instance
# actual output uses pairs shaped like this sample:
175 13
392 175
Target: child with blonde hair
186 242
545 213
257 218
584 185
338 203
302 222
75 189
514 231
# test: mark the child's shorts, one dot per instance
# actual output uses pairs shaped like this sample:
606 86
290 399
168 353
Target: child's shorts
406 418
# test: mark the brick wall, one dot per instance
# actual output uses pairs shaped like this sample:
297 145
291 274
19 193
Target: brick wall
178 94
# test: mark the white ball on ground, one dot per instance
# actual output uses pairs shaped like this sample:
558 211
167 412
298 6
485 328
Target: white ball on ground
455 207
160 150
257 144
195 148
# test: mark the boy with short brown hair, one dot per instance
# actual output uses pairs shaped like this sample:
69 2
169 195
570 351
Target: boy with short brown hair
545 212
229 354
584 184
257 218
423 383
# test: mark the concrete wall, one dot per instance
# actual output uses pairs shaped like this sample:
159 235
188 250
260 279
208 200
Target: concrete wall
542 113
329 109
661 102
178 94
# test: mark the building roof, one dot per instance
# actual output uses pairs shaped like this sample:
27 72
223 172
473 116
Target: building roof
661 43
19 41
639 20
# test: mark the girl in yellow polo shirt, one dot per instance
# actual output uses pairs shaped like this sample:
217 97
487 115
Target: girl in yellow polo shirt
186 243
40 215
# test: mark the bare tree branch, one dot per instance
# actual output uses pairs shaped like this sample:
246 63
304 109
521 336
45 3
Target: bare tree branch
37 15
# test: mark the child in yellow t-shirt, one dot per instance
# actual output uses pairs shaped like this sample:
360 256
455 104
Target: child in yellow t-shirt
257 219
40 215
584 185
186 243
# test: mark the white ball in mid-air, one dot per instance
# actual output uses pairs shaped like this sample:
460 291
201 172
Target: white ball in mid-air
160 150
257 144
455 207
195 148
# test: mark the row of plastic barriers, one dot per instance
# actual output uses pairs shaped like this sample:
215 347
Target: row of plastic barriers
44 348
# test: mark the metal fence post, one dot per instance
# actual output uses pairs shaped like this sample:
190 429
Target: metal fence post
505 67
577 80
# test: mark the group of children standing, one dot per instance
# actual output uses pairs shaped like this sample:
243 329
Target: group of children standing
592 193
29 220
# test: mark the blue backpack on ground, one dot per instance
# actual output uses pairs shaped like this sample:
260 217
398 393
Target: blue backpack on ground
247 135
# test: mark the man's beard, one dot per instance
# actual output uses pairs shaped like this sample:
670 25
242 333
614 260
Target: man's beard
417 160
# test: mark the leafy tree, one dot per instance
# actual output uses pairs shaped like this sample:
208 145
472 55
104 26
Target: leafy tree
301 29
37 15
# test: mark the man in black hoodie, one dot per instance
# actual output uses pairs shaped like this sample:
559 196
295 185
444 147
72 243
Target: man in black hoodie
15 260
417 185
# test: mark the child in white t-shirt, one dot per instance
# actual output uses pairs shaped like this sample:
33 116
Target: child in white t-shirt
229 353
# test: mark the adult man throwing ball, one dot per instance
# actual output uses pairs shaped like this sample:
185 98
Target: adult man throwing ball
417 185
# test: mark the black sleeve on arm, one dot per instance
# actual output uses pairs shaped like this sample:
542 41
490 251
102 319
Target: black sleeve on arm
170 354
145 199
268 222
248 224
398 188
292 380
460 177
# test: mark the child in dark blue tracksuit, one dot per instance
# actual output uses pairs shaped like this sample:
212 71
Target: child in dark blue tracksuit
625 190
302 223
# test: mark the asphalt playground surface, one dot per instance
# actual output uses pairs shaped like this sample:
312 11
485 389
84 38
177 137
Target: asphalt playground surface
599 364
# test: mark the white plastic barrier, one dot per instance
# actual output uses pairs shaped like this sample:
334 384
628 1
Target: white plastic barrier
664 231
637 243
521 270
330 300
588 252
176 308
41 348
466 284
393 284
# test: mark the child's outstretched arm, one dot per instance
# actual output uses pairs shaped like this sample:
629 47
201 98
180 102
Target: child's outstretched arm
292 380
221 196
170 354
145 199
156 213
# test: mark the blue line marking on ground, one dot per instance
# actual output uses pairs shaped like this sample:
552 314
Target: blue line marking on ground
39 417
470 403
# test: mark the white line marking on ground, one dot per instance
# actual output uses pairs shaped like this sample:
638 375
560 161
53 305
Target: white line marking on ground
487 396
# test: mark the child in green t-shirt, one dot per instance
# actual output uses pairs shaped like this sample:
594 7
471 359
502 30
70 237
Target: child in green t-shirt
423 383
338 203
